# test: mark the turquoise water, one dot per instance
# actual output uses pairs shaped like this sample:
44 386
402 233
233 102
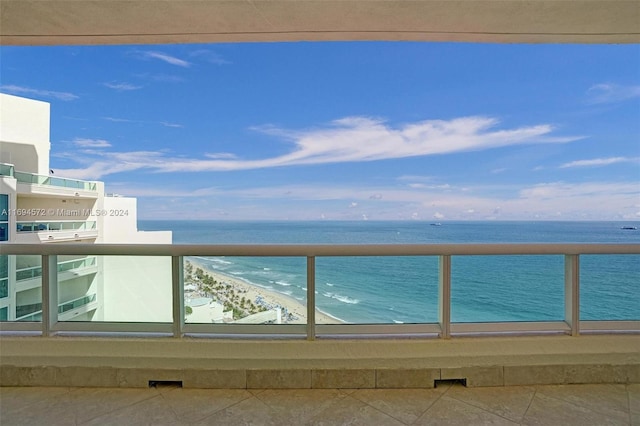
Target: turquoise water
405 289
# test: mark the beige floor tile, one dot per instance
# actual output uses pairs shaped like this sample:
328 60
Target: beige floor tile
300 405
153 411
635 419
609 400
58 410
508 402
90 403
353 412
406 405
450 411
15 398
545 410
250 411
193 405
633 391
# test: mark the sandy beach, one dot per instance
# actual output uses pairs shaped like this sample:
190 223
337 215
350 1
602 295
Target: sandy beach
294 312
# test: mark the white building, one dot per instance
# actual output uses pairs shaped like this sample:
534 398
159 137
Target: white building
37 206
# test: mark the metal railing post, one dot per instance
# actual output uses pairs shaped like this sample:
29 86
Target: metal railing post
49 293
444 296
311 298
177 289
572 292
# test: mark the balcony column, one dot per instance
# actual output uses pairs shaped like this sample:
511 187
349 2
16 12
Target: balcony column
572 292
311 298
49 293
177 289
444 296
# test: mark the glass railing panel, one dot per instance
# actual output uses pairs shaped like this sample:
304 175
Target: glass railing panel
377 290
6 169
610 287
35 317
76 303
23 177
249 290
128 289
28 309
56 226
51 180
28 273
507 288
4 287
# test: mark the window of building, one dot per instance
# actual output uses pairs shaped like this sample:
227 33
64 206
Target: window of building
4 276
4 314
4 217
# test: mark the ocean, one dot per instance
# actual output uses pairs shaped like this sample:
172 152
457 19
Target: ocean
405 289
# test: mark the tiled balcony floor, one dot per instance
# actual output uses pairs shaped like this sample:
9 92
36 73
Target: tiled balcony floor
449 404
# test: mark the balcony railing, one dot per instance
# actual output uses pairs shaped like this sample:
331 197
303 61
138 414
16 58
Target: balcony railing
35 310
31 178
55 226
444 327
68 265
6 169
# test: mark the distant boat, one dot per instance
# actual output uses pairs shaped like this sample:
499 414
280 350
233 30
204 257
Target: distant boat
436 224
629 228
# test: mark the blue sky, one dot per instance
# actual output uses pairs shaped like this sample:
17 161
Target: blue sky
346 131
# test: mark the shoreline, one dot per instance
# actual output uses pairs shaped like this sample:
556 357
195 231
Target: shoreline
294 312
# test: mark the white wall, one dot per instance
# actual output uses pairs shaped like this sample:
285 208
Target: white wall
24 134
120 224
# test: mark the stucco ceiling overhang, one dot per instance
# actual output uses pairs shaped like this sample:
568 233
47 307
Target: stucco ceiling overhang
73 22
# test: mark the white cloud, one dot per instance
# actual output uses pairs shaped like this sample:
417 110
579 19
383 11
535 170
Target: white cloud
126 120
600 162
91 143
606 93
360 139
174 125
353 205
20 90
122 86
209 56
577 201
165 58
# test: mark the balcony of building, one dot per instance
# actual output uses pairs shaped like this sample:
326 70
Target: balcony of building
55 231
133 351
28 277
39 185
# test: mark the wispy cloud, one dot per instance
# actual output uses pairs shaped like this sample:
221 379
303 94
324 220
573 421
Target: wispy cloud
209 56
606 93
551 200
91 143
150 54
20 90
360 139
122 86
126 120
596 162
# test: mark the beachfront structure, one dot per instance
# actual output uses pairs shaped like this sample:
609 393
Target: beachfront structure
340 363
39 207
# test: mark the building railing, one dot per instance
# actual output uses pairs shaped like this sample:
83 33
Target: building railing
32 178
35 310
444 327
6 169
55 226
67 265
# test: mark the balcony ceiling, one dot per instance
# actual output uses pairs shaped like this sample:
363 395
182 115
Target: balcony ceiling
64 22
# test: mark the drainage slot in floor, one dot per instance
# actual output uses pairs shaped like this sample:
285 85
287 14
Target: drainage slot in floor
449 382
165 383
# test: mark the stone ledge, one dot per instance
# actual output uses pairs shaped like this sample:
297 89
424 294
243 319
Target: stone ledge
340 363
385 378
